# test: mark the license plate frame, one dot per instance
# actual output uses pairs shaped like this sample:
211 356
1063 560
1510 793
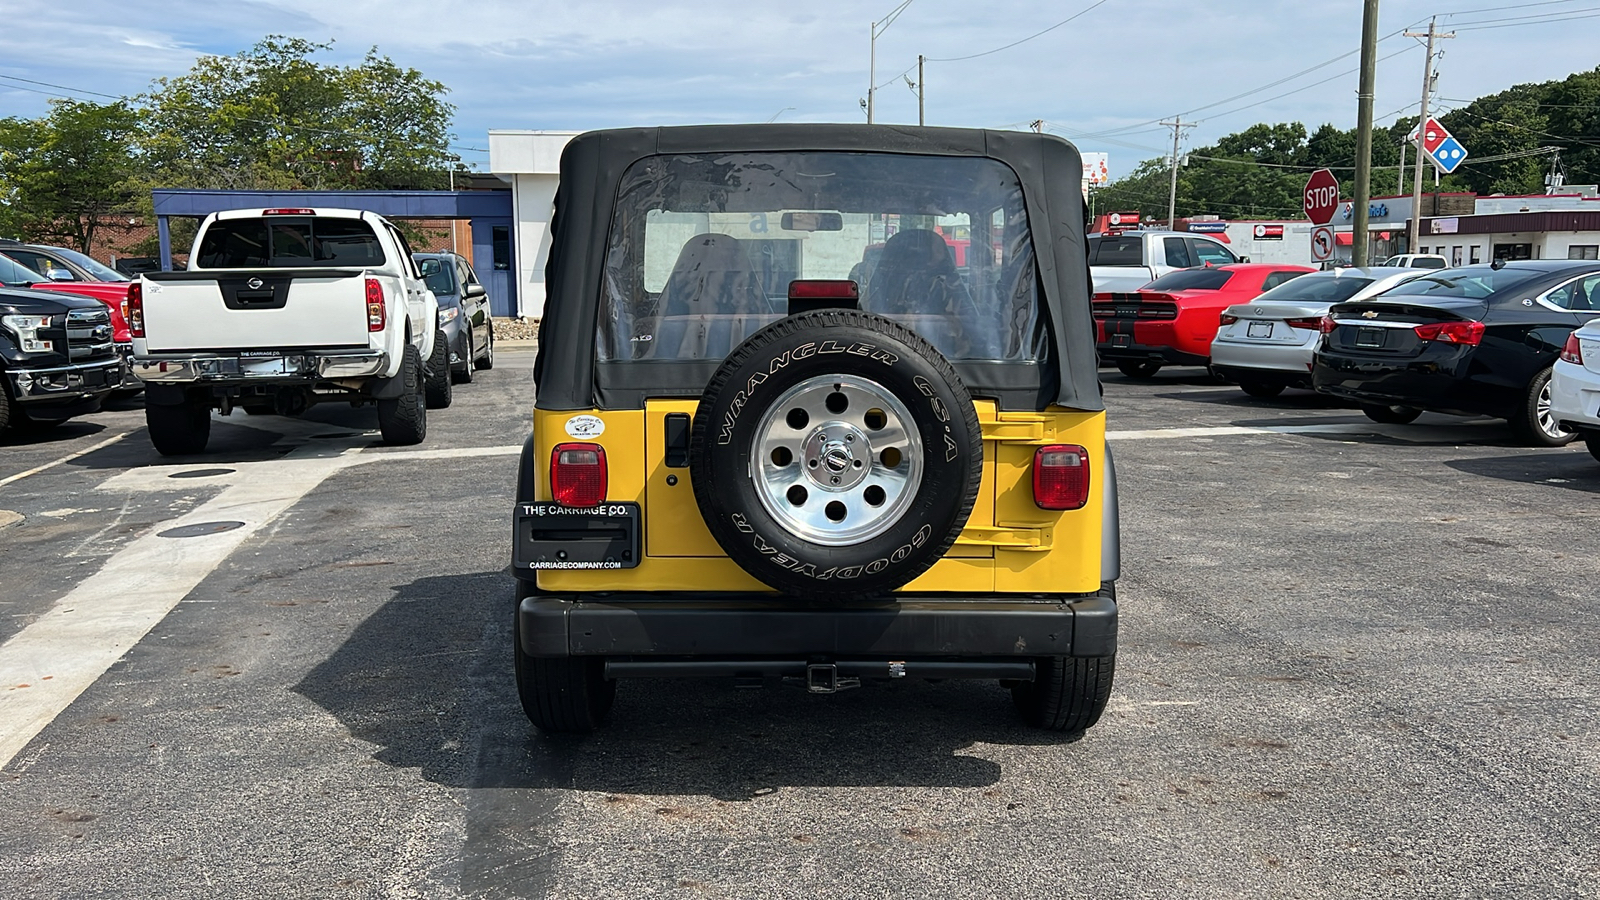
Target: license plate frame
1369 338
275 365
1259 330
552 536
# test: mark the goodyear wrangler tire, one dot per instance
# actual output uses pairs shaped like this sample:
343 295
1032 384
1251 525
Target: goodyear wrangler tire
835 453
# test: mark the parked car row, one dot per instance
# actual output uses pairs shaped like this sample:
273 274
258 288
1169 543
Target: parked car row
1502 339
279 309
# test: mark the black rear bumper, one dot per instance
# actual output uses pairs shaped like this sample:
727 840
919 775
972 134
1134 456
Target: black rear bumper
768 630
1170 356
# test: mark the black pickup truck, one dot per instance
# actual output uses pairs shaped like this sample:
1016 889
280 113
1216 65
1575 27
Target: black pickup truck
57 359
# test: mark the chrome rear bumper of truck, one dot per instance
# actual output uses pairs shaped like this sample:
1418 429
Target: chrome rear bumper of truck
222 367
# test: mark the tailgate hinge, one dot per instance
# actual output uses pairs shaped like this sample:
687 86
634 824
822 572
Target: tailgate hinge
1002 537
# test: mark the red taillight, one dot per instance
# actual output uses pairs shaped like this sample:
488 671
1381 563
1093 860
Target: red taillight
1061 477
297 211
133 310
1312 323
1326 324
578 475
377 312
1469 333
1105 310
824 289
1229 320
1573 351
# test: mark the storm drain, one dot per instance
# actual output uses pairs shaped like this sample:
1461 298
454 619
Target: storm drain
199 529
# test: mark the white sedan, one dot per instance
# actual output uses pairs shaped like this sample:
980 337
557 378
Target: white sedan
1575 386
1266 345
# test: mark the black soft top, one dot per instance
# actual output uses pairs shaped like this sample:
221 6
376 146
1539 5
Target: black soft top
592 166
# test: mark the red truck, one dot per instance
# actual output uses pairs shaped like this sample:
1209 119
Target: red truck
1171 321
69 272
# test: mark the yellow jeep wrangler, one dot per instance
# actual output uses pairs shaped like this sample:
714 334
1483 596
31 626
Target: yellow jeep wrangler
817 402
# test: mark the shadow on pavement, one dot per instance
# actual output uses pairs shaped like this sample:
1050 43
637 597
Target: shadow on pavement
428 679
1570 470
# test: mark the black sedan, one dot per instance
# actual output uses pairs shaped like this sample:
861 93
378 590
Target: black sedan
1475 340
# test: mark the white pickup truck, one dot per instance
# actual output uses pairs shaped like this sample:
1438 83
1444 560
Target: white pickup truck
283 308
1123 263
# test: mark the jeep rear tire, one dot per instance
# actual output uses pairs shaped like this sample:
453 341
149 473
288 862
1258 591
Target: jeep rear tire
562 695
1067 693
835 453
404 419
181 429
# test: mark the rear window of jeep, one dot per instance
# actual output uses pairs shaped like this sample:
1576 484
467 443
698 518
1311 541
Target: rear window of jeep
703 248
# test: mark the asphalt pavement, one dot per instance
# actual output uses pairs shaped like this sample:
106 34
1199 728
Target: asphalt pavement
1356 660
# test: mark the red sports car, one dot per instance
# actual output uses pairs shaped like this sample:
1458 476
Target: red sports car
1172 320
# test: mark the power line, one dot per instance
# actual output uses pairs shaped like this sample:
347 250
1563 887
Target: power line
1593 15
1086 10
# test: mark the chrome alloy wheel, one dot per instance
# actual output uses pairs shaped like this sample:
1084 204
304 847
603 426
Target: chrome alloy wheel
1547 421
837 460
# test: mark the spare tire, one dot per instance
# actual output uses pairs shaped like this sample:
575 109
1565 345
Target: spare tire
835 453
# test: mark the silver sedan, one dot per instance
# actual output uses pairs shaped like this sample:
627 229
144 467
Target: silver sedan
1266 345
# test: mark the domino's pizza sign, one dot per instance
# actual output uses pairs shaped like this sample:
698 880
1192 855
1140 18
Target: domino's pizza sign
1441 147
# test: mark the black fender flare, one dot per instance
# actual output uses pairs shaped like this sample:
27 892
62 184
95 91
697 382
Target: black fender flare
1110 524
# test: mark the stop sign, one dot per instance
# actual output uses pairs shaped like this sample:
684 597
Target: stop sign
1321 197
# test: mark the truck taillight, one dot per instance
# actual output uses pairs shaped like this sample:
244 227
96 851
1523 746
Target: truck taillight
1573 351
1469 333
1061 477
578 475
377 313
133 310
296 211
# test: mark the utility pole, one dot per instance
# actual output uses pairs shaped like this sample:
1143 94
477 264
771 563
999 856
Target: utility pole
1363 198
1177 127
922 87
872 70
1414 229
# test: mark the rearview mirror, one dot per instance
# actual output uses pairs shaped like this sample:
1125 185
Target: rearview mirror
473 290
812 221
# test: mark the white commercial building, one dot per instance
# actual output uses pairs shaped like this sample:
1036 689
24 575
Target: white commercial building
531 162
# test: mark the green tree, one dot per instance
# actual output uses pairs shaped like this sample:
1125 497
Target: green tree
64 174
275 117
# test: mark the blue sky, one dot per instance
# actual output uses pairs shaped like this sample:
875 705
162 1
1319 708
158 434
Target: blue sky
1100 80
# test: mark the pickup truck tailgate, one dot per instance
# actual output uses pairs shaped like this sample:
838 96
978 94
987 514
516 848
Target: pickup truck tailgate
254 309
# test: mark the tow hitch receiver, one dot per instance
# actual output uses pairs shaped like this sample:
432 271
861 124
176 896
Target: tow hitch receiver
823 678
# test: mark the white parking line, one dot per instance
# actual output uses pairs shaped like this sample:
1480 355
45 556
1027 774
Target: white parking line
68 458
1223 430
47 665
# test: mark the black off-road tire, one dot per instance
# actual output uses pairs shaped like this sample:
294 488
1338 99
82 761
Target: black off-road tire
808 347
1261 390
1391 415
437 380
1140 370
404 419
181 429
488 353
1533 424
1067 693
463 373
562 695
1591 440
